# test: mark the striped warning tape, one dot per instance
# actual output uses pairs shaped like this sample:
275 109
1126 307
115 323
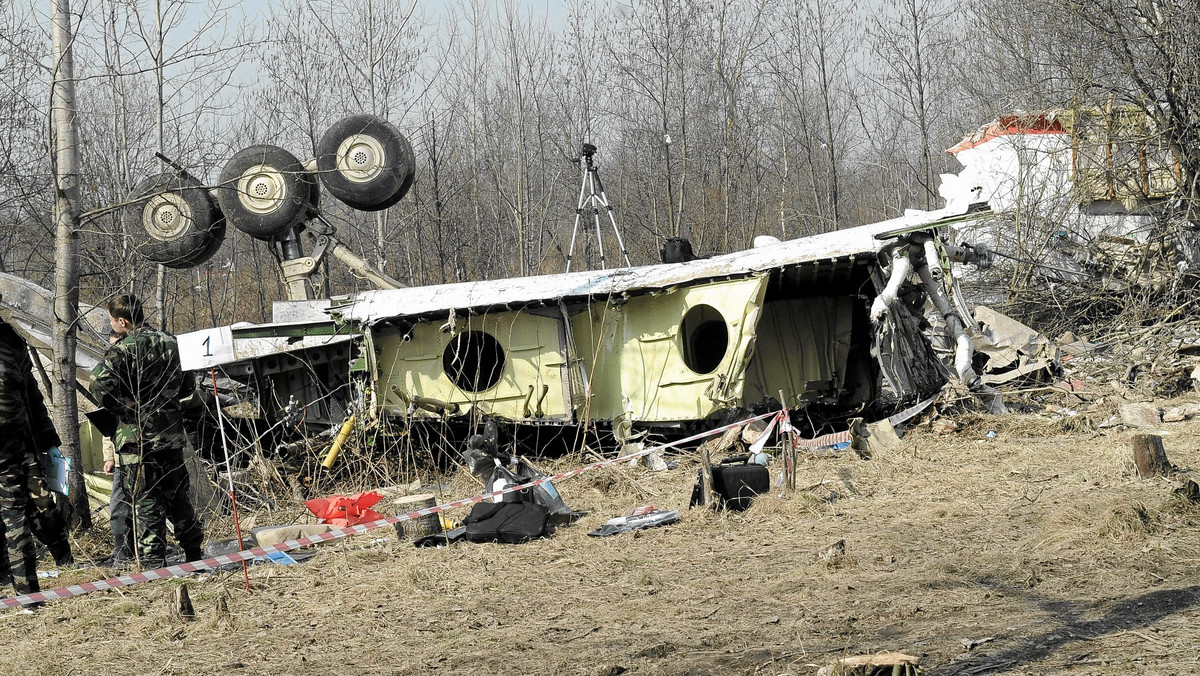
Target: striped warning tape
204 565
825 441
838 438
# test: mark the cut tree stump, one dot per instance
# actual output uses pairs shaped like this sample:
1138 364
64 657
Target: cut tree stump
1150 456
181 607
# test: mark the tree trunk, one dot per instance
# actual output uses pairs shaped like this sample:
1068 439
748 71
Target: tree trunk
66 273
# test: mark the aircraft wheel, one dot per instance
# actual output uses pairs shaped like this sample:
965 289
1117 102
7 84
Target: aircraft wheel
216 238
264 191
366 162
170 219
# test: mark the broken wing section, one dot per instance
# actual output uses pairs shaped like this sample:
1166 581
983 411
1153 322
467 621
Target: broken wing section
506 364
665 357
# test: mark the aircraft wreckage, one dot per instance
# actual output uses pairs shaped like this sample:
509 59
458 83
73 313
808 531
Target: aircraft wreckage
828 322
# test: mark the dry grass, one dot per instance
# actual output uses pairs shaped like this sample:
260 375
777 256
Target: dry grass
1040 537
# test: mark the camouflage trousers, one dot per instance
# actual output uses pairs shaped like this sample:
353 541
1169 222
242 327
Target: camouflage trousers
120 518
19 511
158 488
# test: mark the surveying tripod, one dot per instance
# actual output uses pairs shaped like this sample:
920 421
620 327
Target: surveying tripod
589 175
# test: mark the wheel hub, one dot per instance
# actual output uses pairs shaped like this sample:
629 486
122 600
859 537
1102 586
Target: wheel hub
360 158
262 189
166 216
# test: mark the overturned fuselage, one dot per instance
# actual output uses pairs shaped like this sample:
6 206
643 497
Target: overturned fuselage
657 345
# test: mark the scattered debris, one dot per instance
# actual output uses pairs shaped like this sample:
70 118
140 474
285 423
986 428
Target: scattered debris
1190 491
726 442
1180 413
265 536
833 555
944 426
879 664
637 519
1140 415
654 462
341 511
279 558
1013 350
971 644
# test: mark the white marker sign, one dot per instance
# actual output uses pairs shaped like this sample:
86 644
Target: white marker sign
205 349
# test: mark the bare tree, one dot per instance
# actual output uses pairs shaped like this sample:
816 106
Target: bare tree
1150 58
652 47
66 278
817 93
911 45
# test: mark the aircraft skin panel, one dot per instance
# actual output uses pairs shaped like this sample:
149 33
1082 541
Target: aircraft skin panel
370 307
675 356
802 349
523 381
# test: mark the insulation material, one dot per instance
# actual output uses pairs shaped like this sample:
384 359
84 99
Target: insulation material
801 349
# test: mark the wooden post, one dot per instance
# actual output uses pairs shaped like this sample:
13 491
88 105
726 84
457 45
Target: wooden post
710 496
1149 456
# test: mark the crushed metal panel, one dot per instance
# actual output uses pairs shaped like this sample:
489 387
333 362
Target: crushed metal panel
906 358
802 348
507 364
291 311
679 355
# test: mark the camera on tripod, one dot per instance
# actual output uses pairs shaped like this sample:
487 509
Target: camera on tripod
586 152
591 199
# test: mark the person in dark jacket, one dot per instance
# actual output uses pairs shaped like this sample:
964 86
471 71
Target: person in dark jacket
26 505
120 507
140 382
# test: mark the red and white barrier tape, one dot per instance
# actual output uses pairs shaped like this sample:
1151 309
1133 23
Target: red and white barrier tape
838 438
204 565
825 441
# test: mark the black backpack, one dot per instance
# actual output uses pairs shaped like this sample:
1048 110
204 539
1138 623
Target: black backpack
508 522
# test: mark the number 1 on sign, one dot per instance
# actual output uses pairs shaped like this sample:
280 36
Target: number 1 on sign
207 346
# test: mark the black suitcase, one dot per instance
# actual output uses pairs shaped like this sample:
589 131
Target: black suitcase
738 484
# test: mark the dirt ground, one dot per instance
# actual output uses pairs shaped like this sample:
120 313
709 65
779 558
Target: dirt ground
1036 551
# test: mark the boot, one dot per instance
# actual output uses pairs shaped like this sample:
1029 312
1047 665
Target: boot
63 558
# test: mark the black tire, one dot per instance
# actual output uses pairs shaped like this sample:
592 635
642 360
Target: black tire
216 238
169 219
264 191
366 162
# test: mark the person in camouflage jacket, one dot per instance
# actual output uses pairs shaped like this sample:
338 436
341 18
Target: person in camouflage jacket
140 382
26 506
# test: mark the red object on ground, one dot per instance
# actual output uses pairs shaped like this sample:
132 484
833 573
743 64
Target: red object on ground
341 511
